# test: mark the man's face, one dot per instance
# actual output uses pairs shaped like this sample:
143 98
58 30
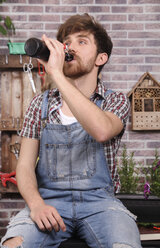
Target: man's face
84 50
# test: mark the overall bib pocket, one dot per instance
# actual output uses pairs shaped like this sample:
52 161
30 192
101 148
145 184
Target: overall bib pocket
71 161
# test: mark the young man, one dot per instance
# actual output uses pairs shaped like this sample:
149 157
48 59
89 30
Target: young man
75 130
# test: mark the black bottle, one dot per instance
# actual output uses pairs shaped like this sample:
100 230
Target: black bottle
37 49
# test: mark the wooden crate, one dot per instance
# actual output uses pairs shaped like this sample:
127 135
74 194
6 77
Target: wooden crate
10 146
16 94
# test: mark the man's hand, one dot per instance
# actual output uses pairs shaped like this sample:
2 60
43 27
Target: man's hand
47 218
57 56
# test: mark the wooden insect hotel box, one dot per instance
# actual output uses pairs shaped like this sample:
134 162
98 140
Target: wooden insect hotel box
145 97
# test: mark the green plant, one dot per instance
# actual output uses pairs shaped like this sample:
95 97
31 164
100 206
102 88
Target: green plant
7 27
127 173
153 176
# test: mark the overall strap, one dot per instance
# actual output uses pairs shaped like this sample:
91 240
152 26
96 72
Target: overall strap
44 108
108 92
98 103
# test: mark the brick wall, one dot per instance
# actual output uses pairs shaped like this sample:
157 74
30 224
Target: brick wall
134 26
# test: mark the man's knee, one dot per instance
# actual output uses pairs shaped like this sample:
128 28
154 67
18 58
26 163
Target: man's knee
15 242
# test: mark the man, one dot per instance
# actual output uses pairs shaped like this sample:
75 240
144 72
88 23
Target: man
75 130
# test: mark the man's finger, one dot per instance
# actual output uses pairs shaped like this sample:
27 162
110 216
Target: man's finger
40 225
48 225
59 220
54 223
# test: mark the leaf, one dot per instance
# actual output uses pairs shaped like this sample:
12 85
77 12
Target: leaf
1 1
8 22
3 30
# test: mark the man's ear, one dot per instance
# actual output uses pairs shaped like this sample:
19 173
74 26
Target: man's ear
101 59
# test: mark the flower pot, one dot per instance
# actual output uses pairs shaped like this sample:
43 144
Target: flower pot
16 47
146 210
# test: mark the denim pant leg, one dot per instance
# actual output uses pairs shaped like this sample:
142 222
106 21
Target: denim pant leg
21 225
108 224
110 229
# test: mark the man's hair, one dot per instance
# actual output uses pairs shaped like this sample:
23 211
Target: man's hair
85 22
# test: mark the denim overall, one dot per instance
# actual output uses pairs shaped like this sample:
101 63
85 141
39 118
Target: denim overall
73 176
74 160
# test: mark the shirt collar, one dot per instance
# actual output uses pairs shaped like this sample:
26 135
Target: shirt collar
100 90
56 100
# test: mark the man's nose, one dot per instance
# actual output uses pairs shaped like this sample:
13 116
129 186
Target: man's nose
72 47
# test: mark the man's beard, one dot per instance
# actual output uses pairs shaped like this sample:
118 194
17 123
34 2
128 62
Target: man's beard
78 69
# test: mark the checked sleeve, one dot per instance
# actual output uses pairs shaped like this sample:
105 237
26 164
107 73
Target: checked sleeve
32 124
118 104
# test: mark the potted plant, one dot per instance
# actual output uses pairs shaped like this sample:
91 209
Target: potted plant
144 201
7 29
128 173
153 177
151 223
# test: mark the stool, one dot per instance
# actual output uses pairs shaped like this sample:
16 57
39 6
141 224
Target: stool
74 242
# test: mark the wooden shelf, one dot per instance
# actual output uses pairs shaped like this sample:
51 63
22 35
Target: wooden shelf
10 188
14 62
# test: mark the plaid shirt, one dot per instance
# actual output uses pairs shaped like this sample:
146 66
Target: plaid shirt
116 102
